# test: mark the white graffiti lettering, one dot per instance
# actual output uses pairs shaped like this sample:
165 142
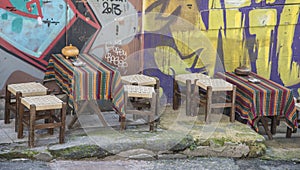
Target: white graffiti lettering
117 57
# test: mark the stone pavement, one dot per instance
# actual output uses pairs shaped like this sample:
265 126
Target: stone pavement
176 136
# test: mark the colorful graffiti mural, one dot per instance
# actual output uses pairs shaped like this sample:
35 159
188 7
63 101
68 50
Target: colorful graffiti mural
32 30
262 34
159 37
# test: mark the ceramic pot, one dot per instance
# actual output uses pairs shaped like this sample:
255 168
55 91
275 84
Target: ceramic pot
70 51
242 71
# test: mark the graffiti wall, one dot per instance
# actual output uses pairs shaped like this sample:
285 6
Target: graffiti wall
220 35
159 37
32 30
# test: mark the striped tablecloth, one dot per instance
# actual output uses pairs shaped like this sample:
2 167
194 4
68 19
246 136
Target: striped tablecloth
96 80
266 98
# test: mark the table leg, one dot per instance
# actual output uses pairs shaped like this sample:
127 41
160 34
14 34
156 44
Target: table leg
273 124
75 117
98 112
288 132
265 125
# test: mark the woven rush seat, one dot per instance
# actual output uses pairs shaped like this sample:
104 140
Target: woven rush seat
20 90
187 80
192 77
217 85
139 79
139 91
138 106
28 89
48 104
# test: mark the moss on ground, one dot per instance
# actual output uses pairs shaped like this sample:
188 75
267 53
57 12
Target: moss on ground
79 152
19 154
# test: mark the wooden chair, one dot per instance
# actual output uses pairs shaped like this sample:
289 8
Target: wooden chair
41 107
16 91
145 102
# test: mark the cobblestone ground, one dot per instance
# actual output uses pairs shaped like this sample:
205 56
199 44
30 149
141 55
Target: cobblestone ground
176 164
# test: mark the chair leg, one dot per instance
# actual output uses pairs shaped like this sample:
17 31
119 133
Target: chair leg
63 120
7 105
32 125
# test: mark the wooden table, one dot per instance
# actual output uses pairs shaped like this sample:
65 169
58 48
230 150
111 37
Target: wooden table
96 80
256 101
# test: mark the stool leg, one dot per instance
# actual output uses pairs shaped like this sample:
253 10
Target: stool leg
50 120
153 109
157 106
20 121
176 96
188 97
208 102
31 125
18 98
7 105
122 120
157 102
232 113
195 94
63 120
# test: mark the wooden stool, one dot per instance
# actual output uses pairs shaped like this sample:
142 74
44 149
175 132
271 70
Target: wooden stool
140 93
217 85
36 104
20 90
143 80
188 80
